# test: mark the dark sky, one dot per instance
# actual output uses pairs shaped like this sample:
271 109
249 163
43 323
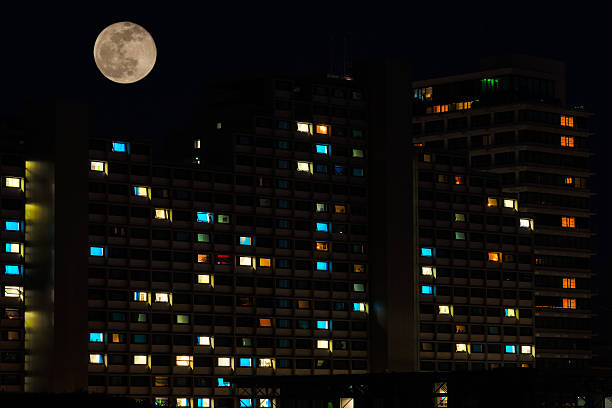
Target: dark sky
47 52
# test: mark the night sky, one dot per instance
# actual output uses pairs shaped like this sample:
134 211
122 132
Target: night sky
47 53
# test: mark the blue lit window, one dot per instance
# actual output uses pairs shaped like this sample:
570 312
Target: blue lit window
265 403
357 172
206 217
322 226
203 403
139 338
121 147
12 269
96 337
96 251
12 226
245 362
358 307
427 290
323 266
427 252
222 383
323 148
245 240
476 348
510 349
12 247
323 324
321 168
339 170
246 402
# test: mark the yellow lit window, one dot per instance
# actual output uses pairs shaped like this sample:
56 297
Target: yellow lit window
162 214
182 402
569 303
323 344
459 180
321 246
197 143
140 359
461 347
495 256
265 262
567 121
358 268
204 402
340 208
224 361
303 304
427 158
569 283
459 217
184 361
304 166
322 129
569 180
246 261
580 182
443 309
492 202
304 127
265 323
203 258
98 166
428 271
14 182
567 141
13 292
266 362
204 279
568 222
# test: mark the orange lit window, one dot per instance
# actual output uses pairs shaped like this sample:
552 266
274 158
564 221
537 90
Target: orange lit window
569 180
340 208
569 303
203 258
116 338
427 158
567 141
303 304
492 202
495 256
265 323
458 179
417 144
265 262
567 121
358 268
569 283
322 129
440 108
321 246
568 222
460 329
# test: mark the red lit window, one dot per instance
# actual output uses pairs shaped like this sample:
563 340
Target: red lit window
224 260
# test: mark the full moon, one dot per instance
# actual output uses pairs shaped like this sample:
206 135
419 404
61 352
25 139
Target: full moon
125 52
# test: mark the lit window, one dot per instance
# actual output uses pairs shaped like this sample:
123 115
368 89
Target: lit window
182 402
459 180
358 153
357 172
140 296
580 182
427 289
322 226
510 349
97 166
321 207
223 259
203 258
495 256
224 361
265 262
245 241
358 268
245 362
303 304
323 266
568 222
459 217
12 269
569 180
162 214
12 248
141 191
184 361
266 362
205 217
359 307
526 223
510 203
203 403
492 202
443 309
359 287
12 226
304 127
427 252
140 359
567 121
323 324
203 341
460 329
265 323
322 129
426 157
304 166
569 283
510 312
461 348
340 208
246 402
14 182
459 235
121 147
197 143
203 237
223 219
322 148
428 270
442 178
525 349
182 319
321 246
204 279
323 344
161 401
13 292
162 297
246 261
96 337
569 303
222 383
96 359
95 251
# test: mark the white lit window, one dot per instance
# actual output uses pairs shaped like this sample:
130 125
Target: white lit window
203 340
182 402
140 296
140 359
304 166
508 312
184 361
304 127
97 166
321 207
323 344
96 359
265 403
13 291
141 191
14 182
224 361
428 270
162 214
265 362
13 247
443 309
526 223
246 261
203 403
461 347
359 307
510 203
162 297
196 143
204 279
525 349
219 125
